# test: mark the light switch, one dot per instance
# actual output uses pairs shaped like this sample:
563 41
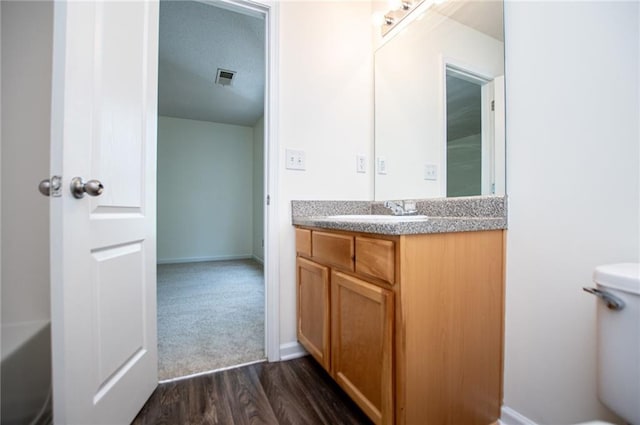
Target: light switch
295 160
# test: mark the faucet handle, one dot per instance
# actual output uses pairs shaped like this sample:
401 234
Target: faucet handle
395 207
409 207
401 207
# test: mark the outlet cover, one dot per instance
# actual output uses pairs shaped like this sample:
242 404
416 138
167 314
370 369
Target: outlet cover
382 165
361 163
430 172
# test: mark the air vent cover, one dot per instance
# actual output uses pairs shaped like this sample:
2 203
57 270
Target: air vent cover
225 77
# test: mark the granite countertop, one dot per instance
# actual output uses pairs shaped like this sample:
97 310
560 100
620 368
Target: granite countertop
443 215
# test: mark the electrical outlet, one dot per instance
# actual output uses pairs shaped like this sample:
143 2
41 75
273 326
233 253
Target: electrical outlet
361 163
382 165
295 160
430 172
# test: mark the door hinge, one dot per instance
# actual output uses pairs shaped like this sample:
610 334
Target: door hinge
268 199
493 105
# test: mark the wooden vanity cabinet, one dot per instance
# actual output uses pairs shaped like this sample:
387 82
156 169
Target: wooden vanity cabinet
313 309
345 321
362 344
411 327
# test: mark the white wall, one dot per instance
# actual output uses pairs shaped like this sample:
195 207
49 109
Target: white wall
410 90
26 98
205 190
258 190
326 99
573 182
0 178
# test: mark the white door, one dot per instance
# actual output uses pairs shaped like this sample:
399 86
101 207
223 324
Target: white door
103 248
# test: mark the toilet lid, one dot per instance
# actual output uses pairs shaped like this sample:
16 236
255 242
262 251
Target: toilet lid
622 276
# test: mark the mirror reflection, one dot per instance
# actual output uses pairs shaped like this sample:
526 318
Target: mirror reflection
439 104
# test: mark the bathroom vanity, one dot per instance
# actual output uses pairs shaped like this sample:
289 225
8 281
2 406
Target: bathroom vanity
405 314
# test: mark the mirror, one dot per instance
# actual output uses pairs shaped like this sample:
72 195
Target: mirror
439 103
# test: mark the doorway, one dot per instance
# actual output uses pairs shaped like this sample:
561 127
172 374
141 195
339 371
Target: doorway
211 180
469 133
110 339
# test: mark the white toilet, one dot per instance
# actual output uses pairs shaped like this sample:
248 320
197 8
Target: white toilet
618 287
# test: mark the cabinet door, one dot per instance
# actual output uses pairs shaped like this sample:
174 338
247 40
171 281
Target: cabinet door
313 309
361 344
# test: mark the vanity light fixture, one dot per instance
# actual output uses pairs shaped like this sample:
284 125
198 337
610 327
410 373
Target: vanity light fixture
394 4
398 10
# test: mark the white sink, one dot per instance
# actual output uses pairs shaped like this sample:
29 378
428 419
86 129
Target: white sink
378 218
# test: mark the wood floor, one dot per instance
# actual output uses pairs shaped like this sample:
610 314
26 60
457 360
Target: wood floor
296 392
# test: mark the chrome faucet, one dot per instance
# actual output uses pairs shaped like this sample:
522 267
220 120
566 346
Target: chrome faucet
401 207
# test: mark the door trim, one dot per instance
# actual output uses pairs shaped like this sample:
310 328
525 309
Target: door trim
470 73
272 246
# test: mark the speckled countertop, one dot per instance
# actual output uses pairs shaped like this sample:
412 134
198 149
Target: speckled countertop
444 215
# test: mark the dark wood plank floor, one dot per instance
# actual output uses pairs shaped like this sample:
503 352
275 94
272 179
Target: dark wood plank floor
296 392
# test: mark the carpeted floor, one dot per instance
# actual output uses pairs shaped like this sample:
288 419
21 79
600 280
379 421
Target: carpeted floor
210 315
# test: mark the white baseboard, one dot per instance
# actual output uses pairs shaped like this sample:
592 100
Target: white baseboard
258 259
511 417
202 259
291 350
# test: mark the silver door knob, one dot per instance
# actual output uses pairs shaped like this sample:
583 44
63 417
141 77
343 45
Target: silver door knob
51 187
45 187
91 188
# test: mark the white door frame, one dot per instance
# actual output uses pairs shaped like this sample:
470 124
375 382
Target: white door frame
474 75
268 10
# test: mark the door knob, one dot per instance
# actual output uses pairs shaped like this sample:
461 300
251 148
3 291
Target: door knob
51 187
91 188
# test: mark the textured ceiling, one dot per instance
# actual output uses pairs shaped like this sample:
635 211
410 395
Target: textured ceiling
483 16
195 40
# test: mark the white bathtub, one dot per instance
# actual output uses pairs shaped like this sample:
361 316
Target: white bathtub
26 373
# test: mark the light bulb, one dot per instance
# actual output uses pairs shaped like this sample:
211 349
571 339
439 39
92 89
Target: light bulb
377 19
395 4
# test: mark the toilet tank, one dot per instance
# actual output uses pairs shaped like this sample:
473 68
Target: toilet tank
619 340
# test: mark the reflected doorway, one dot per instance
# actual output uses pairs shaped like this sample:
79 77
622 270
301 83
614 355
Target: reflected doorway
470 132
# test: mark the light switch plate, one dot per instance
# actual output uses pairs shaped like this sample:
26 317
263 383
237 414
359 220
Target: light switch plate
295 159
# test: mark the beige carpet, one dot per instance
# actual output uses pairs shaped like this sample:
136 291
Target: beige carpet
210 315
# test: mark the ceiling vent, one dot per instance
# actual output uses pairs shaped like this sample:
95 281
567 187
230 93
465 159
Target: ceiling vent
225 77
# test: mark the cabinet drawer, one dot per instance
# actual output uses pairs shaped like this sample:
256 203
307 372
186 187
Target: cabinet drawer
376 258
333 249
303 242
